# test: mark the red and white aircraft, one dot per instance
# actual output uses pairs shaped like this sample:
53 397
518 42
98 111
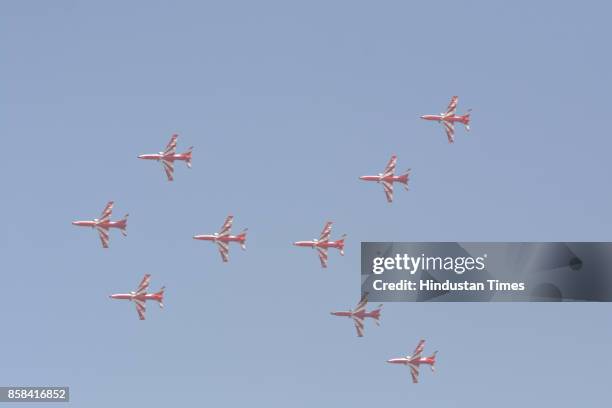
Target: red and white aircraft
449 118
223 238
169 156
415 360
104 223
140 296
388 177
360 314
323 244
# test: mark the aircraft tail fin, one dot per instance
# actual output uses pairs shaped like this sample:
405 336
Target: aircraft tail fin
160 294
242 238
123 225
404 178
376 314
433 361
340 243
188 154
466 119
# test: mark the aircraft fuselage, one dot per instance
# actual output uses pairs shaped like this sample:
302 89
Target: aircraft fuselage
412 361
465 119
375 314
228 238
121 224
317 244
166 157
142 297
389 179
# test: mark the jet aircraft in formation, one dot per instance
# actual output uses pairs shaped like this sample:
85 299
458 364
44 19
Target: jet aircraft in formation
169 156
388 177
323 244
359 314
140 296
449 118
415 360
104 224
224 237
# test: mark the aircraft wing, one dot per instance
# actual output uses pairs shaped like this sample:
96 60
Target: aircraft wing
362 303
449 127
141 308
223 250
144 284
169 169
326 232
104 238
359 326
452 106
388 190
414 371
390 169
107 212
171 147
418 350
227 226
322 256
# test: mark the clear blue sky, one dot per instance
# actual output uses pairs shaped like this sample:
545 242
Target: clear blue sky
287 104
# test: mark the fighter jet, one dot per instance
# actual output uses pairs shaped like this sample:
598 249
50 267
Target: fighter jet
415 360
104 223
360 314
323 243
449 118
140 296
223 238
388 177
169 156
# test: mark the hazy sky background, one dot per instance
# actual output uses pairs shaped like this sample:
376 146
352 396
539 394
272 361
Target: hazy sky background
287 104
